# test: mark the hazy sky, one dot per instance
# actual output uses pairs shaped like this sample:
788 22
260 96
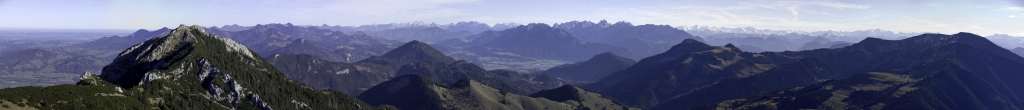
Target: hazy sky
984 17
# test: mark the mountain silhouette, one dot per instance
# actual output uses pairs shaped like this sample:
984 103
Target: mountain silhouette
356 77
918 57
414 91
591 70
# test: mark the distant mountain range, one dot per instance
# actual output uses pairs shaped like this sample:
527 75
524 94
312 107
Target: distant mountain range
544 42
849 36
645 40
783 40
25 62
355 77
470 26
411 58
425 34
269 39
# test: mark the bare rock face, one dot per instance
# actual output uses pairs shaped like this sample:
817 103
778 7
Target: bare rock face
188 68
148 61
88 79
133 66
255 99
126 68
209 74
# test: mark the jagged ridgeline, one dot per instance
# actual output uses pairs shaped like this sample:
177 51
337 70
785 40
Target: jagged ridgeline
188 69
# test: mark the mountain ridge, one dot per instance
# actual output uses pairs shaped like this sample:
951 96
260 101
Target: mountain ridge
414 91
549 43
187 69
870 55
595 68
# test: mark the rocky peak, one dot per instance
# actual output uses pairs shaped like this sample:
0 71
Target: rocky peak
132 66
89 79
215 72
540 26
623 24
603 23
574 24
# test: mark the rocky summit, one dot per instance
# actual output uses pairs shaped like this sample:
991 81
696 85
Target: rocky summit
187 69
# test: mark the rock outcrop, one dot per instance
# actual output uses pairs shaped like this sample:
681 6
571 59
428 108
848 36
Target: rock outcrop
187 69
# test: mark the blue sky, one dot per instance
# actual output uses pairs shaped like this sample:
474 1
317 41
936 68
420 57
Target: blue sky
984 17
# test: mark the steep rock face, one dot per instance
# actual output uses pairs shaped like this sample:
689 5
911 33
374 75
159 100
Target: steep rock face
591 70
982 58
417 92
147 56
187 69
546 42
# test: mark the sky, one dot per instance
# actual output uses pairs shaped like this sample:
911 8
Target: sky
984 17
